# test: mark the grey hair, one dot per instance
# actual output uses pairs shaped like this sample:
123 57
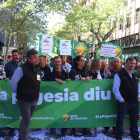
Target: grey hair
87 62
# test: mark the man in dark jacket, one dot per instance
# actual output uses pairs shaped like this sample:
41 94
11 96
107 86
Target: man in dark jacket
116 67
45 70
127 94
59 75
12 65
26 83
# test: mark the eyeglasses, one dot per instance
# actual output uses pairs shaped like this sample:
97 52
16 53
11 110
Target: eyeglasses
82 60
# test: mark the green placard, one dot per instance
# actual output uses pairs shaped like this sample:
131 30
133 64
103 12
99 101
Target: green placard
68 105
46 44
81 49
119 51
65 47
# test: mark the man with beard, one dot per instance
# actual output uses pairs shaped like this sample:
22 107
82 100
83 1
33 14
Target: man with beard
45 70
59 75
12 65
127 94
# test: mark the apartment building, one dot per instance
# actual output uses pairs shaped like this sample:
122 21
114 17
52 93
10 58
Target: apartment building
128 35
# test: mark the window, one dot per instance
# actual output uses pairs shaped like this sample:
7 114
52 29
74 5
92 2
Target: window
128 22
137 15
121 24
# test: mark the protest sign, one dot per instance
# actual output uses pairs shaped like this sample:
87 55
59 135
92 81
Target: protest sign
68 105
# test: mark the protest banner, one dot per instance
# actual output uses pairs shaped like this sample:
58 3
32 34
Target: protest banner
46 44
68 105
65 47
109 51
81 49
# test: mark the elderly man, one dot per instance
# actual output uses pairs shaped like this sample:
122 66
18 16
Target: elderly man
113 70
116 67
88 64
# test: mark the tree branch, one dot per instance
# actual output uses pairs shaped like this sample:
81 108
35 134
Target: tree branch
22 22
96 33
99 27
108 34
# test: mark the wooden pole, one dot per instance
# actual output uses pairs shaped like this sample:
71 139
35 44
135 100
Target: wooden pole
65 60
105 66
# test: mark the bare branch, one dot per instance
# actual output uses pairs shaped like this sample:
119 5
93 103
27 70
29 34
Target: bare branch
96 33
99 27
108 34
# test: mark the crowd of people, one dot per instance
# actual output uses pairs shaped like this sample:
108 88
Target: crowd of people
26 77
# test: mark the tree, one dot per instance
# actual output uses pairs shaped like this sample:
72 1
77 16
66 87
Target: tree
99 18
16 15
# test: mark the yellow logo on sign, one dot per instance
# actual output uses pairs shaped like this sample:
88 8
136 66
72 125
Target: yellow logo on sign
81 50
65 117
118 51
99 52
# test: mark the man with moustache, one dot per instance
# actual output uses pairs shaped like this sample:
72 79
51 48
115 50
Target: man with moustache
59 75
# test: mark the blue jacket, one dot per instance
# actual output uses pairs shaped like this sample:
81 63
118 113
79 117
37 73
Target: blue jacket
75 72
10 68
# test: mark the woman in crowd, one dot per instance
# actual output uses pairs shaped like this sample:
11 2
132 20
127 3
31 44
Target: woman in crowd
95 71
79 72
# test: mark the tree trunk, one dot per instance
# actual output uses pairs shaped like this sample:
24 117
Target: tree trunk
7 50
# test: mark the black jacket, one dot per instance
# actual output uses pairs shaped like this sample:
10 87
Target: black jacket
54 74
29 85
94 76
129 86
45 73
75 72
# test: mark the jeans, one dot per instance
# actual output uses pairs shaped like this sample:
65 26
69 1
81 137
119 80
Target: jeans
26 110
133 110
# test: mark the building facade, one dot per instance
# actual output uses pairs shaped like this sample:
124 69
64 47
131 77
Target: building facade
128 35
